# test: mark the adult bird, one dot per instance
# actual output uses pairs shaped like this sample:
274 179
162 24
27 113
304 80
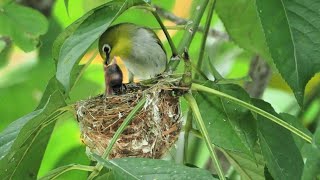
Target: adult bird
138 47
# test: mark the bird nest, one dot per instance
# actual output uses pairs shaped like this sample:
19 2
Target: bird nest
151 133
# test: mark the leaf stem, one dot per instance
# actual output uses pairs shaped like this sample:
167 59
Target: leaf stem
164 29
196 133
117 134
195 109
217 76
53 174
189 34
198 72
187 129
177 27
198 87
212 5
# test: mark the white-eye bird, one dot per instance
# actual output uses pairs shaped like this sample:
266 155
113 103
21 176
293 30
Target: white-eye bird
139 48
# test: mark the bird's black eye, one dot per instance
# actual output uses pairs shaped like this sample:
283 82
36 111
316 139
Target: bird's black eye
106 48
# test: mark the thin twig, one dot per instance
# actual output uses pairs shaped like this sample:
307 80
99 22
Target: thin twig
189 34
211 147
259 73
212 5
187 129
172 46
181 21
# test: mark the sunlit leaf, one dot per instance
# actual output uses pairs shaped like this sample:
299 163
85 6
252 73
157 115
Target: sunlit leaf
66 4
279 150
292 31
140 168
24 25
230 126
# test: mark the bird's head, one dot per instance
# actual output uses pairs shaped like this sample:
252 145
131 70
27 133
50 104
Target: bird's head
116 41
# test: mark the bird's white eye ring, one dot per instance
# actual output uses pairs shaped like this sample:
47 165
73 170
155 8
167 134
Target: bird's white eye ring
106 48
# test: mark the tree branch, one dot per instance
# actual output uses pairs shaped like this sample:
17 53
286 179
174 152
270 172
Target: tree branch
260 73
181 21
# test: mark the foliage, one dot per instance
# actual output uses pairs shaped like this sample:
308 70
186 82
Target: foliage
257 141
24 25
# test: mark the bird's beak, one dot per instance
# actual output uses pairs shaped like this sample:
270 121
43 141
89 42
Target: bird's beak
107 61
113 61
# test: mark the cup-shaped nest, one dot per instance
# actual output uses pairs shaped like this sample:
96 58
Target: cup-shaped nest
151 133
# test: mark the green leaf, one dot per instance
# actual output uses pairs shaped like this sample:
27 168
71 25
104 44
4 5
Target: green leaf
47 40
141 168
267 174
66 4
316 137
292 34
241 21
246 166
204 132
2 45
230 126
4 2
24 25
75 46
52 86
56 48
21 89
294 121
57 172
11 132
283 157
22 144
5 49
312 166
64 138
63 169
76 155
311 169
